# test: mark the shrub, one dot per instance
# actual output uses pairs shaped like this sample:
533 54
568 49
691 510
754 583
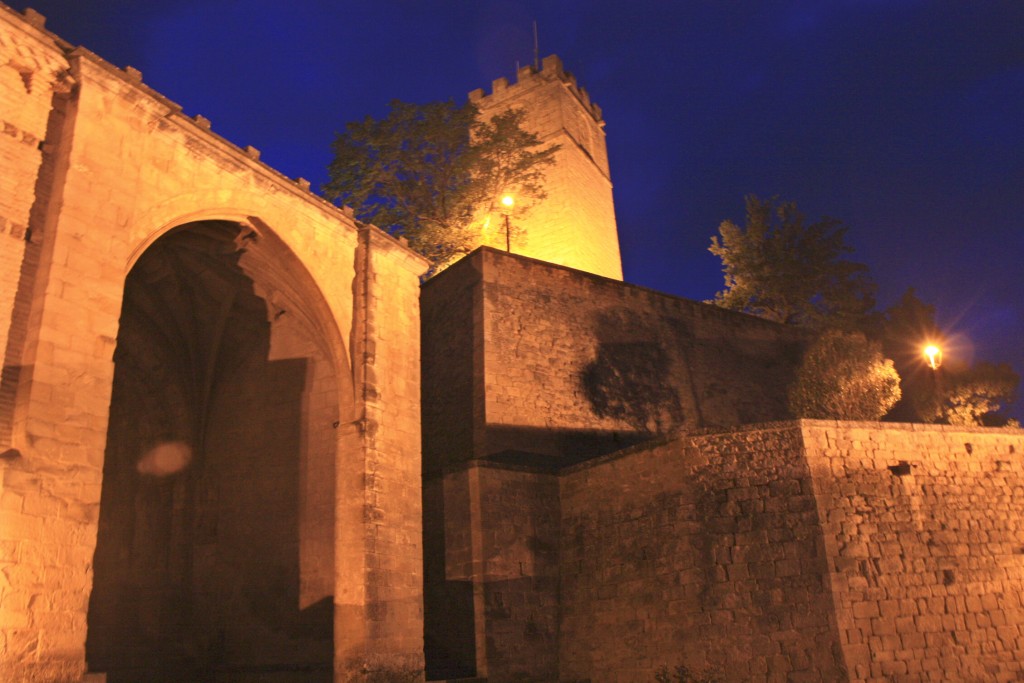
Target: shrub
843 376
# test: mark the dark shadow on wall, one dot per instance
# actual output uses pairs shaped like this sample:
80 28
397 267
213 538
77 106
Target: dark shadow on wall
522 628
49 192
659 370
629 381
549 449
449 645
449 638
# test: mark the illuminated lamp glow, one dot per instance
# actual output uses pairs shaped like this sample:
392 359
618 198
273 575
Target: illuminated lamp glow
933 354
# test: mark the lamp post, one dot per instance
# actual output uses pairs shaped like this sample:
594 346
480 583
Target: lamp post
508 202
933 358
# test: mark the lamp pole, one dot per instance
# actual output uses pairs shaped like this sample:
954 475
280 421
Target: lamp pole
933 358
508 202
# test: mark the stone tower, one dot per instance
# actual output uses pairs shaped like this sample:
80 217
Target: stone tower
575 225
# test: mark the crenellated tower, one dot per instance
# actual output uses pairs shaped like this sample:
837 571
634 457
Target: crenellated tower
575 225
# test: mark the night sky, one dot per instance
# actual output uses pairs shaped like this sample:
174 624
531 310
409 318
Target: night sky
903 119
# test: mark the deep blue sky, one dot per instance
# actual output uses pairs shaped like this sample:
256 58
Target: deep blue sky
904 119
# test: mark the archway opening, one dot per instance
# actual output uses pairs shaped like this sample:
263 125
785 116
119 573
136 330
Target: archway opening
215 555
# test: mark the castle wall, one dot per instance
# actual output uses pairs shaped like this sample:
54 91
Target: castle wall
452 393
806 550
531 367
121 166
378 599
520 571
575 224
508 554
572 365
31 76
704 551
924 530
452 309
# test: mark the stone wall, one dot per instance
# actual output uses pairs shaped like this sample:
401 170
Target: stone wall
530 367
501 529
452 344
798 551
31 77
569 365
379 553
575 223
48 508
924 529
521 572
96 168
704 551
452 403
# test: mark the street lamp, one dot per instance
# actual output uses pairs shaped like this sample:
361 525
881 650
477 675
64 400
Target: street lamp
933 358
508 202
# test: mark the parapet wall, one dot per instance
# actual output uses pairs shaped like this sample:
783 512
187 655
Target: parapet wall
924 530
810 550
703 551
564 365
551 68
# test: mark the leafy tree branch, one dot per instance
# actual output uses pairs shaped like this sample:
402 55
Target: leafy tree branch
779 267
434 173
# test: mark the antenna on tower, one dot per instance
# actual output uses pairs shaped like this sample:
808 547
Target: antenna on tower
536 47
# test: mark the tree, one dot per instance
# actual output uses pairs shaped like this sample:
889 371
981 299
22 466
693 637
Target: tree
779 268
955 393
843 376
974 395
433 173
904 329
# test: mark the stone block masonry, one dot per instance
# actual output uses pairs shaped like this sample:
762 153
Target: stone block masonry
811 551
595 501
98 172
704 551
528 368
534 363
31 77
924 531
575 224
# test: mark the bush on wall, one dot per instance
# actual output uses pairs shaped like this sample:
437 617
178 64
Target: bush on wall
843 376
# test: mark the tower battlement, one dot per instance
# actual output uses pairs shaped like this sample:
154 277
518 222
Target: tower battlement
528 76
574 225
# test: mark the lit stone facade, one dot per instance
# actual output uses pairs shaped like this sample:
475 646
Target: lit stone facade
575 225
268 367
212 466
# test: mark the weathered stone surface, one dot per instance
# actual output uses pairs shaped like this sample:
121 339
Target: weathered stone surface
96 170
703 551
210 438
530 365
529 362
932 592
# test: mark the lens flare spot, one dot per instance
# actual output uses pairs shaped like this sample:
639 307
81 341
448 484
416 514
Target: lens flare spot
166 458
